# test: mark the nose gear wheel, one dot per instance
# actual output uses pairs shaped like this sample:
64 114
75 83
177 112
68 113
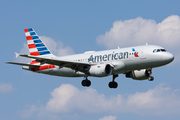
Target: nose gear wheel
150 78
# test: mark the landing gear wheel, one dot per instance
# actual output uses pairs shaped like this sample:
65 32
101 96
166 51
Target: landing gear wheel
150 78
113 84
110 84
83 83
86 83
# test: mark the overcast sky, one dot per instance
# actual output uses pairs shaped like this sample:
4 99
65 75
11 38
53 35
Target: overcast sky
72 27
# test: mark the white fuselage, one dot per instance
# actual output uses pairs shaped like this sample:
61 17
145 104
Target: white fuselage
122 60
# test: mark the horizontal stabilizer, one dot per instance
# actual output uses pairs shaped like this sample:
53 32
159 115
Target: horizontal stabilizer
23 64
16 54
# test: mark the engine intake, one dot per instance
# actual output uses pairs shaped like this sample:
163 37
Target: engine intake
100 70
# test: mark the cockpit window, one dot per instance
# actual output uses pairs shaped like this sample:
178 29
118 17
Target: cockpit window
159 50
154 50
163 50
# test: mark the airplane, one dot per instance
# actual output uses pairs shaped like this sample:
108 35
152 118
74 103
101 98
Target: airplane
135 62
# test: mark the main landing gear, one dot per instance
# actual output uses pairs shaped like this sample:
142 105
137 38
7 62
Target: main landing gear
86 82
113 84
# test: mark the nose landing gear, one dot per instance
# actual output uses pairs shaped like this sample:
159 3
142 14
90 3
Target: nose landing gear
149 72
150 78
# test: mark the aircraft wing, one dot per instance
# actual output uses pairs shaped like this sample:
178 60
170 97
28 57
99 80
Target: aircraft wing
23 64
55 61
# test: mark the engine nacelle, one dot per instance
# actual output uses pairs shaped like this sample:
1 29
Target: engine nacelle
100 70
139 74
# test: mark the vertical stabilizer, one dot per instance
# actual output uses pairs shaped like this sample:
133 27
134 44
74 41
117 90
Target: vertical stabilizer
35 44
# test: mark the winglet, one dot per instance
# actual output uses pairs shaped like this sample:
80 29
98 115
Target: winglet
16 54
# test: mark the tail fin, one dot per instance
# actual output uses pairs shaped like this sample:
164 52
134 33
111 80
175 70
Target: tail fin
35 45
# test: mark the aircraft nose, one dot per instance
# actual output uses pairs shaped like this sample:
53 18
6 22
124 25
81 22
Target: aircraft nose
168 57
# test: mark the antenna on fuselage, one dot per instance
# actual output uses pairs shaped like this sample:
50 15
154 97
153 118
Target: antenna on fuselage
146 44
118 47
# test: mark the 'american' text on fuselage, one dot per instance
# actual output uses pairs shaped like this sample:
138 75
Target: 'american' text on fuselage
108 57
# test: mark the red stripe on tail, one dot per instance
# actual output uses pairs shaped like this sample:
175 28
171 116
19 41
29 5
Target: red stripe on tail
29 38
31 46
26 30
34 53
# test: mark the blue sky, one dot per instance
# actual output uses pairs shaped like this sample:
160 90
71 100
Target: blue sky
71 27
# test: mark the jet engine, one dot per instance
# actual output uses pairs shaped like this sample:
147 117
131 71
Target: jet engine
100 70
139 74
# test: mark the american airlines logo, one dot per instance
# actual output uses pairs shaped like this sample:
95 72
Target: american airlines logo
108 57
135 53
